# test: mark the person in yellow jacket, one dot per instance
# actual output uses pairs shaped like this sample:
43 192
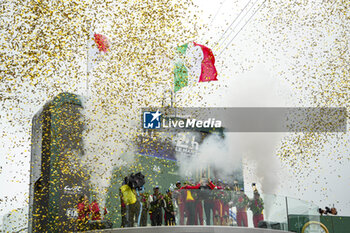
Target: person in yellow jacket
129 199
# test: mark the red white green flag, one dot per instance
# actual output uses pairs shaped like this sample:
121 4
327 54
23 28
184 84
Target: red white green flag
195 63
98 47
208 70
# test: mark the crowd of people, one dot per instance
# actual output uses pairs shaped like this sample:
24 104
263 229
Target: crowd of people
187 203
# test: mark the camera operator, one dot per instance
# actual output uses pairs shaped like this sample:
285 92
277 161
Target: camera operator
332 211
129 199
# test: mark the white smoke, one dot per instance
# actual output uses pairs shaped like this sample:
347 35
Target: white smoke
258 89
106 146
215 152
257 150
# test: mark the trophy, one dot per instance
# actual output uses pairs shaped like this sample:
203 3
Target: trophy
235 185
255 190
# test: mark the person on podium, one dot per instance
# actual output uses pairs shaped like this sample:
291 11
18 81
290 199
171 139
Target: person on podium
257 206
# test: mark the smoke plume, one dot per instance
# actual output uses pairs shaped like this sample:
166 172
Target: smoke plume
215 152
257 150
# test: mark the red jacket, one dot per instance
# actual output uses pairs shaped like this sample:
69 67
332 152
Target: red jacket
83 211
213 186
187 194
191 186
95 211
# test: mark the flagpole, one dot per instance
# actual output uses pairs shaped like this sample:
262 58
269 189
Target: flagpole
188 91
87 69
175 103
87 58
173 97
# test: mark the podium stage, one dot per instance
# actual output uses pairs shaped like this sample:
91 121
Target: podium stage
188 229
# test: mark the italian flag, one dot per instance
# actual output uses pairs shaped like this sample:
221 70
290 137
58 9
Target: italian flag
194 63
98 45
